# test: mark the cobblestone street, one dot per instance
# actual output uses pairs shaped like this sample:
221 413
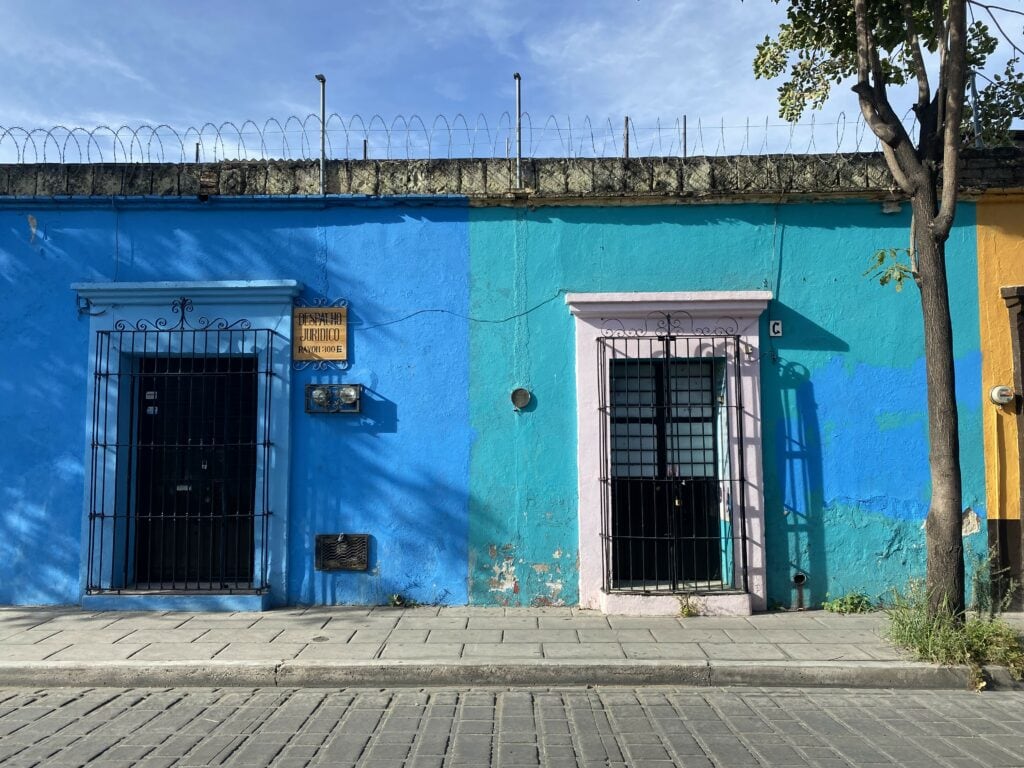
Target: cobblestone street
650 726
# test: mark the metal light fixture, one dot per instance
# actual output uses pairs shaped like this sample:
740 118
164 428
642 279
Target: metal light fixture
1002 395
334 398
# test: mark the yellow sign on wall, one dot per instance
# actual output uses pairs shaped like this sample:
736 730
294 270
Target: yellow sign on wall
320 333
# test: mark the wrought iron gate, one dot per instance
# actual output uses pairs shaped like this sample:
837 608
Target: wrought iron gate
180 445
673 500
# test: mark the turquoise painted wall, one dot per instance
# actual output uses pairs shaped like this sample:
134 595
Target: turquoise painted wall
845 448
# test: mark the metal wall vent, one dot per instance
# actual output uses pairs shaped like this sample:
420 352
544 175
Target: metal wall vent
342 551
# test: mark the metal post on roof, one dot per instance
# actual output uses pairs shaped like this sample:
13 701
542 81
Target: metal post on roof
519 131
978 142
323 133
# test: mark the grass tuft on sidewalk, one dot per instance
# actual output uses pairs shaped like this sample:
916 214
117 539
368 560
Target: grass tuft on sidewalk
974 640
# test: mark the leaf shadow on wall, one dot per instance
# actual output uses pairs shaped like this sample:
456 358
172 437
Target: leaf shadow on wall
794 481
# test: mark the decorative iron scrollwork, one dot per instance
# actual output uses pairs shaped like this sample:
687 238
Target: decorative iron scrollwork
320 301
666 324
182 307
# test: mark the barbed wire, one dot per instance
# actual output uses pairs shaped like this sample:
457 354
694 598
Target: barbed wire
298 138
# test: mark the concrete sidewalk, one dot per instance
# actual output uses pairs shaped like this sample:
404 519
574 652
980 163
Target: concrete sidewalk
423 646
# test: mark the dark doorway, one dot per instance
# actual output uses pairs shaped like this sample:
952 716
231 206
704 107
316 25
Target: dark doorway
195 481
664 433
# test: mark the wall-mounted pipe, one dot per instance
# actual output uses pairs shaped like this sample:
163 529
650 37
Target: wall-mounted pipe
799 579
519 130
323 133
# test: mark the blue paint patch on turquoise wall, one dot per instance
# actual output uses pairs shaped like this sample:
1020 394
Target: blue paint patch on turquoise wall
398 470
845 417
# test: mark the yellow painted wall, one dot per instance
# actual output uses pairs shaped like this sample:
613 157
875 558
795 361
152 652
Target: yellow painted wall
1000 221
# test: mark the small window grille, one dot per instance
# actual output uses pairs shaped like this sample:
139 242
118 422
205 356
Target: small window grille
673 511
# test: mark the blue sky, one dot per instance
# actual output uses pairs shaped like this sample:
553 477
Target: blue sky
186 63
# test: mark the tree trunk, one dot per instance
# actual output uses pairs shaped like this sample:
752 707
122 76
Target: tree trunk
945 570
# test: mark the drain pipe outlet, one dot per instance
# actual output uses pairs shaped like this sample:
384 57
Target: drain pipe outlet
799 579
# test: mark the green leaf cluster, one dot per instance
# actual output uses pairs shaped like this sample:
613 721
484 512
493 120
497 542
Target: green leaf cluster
999 103
896 273
816 49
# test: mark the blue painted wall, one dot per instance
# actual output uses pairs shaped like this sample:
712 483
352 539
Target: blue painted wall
452 308
398 471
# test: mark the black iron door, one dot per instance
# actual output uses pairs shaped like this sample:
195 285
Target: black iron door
665 501
194 493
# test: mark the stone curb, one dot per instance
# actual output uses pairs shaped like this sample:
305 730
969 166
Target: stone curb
303 674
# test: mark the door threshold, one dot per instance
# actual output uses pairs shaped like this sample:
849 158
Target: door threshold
200 601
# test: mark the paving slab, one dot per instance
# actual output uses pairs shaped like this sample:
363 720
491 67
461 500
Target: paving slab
97 652
259 651
688 651
422 651
582 651
178 651
497 652
168 635
32 652
307 636
341 652
463 636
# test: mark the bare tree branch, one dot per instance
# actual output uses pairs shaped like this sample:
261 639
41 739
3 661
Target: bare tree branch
924 91
1006 37
989 7
956 79
897 171
868 96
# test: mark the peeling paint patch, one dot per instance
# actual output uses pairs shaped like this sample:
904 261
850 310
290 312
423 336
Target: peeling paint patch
971 523
555 589
541 567
504 579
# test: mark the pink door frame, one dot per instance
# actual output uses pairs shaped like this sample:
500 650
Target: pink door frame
738 313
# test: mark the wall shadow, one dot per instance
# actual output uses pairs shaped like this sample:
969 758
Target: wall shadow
794 487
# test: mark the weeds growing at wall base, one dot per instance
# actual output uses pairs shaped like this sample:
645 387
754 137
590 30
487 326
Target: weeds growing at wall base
972 640
851 602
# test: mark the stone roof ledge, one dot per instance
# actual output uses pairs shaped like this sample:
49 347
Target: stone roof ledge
546 181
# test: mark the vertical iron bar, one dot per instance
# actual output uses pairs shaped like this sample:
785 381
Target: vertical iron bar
741 443
229 420
203 525
604 444
664 454
265 492
127 364
625 137
99 462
